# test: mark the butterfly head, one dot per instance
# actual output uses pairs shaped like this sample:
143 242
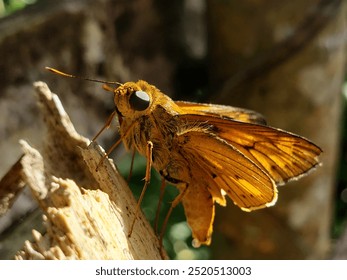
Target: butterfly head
134 99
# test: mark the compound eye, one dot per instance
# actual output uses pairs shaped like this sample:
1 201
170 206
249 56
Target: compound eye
139 100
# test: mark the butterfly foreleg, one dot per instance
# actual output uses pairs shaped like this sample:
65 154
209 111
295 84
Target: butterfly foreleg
106 125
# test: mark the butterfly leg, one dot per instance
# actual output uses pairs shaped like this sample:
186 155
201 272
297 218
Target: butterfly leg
106 125
131 166
174 203
162 188
108 152
147 179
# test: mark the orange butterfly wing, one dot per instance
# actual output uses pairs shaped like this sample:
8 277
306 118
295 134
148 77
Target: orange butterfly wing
282 155
217 168
220 166
199 209
244 159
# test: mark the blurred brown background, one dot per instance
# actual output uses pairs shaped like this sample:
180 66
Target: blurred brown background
285 60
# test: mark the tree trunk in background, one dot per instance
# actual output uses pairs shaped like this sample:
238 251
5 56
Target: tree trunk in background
285 60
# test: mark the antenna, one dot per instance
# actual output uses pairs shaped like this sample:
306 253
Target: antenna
55 71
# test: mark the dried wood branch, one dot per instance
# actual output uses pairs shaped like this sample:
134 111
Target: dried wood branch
87 211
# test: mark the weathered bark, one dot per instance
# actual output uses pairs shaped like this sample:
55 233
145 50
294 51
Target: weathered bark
286 61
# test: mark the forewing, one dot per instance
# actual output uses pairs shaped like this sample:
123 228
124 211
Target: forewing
224 167
283 155
220 111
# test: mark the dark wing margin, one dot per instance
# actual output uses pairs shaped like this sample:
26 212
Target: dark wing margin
221 111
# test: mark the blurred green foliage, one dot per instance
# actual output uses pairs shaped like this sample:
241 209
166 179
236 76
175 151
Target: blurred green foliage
9 6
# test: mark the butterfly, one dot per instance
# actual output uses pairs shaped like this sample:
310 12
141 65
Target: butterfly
209 152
